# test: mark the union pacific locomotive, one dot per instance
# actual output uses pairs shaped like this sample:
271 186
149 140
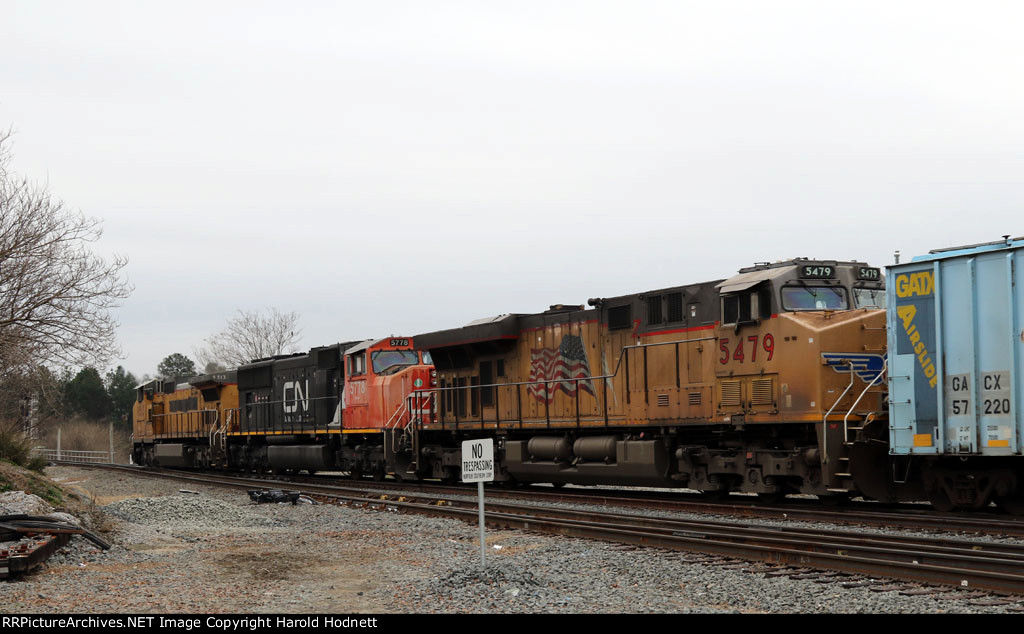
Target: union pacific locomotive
773 381
741 384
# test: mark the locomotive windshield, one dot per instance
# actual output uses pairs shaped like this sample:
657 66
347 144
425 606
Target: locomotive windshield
869 298
385 361
814 298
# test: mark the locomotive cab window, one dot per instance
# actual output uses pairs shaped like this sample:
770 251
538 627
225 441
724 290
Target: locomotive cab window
796 298
747 307
869 297
391 361
357 364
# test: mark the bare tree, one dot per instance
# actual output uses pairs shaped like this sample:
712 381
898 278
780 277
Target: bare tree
251 335
55 293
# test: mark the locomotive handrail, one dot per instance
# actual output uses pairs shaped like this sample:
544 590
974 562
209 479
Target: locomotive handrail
824 420
846 419
220 430
179 424
395 417
589 378
545 382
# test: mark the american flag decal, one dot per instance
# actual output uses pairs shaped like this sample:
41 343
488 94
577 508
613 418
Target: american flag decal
568 362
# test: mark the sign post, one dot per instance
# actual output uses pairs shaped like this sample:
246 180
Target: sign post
478 466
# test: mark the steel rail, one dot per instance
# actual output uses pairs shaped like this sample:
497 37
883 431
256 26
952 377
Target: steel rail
996 568
856 515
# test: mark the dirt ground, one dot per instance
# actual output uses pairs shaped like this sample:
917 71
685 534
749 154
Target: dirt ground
309 559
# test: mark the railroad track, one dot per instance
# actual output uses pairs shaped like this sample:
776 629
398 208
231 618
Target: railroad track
997 568
860 514
856 514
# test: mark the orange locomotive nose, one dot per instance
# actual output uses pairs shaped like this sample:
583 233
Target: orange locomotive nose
382 375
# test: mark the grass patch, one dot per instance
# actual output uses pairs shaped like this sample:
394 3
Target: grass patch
82 435
16 478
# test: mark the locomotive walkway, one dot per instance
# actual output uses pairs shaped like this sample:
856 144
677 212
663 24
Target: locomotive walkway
986 566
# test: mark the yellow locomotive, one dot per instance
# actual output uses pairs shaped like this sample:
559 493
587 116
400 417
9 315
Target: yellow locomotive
762 382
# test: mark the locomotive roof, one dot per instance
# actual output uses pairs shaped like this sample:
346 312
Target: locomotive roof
507 327
369 343
490 329
743 281
488 320
362 345
214 378
703 295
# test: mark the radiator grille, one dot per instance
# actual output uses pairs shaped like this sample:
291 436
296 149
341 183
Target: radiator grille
763 392
694 398
731 393
675 306
663 400
654 309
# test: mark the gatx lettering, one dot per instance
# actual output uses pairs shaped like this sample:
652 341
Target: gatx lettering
914 284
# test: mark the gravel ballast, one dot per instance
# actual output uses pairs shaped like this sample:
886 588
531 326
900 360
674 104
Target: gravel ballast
219 552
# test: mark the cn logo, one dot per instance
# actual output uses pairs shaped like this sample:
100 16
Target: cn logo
298 395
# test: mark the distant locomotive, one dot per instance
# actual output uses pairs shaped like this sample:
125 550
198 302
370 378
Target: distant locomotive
774 381
329 408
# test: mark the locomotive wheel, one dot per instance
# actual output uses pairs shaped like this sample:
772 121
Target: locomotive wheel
940 500
355 474
402 463
716 495
834 499
1012 504
771 498
379 474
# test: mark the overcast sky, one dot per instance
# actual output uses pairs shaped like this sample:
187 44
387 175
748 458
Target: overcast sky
403 167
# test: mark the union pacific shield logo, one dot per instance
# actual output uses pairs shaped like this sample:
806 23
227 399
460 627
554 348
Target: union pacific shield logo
865 366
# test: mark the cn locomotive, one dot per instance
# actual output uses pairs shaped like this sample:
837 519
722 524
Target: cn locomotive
781 379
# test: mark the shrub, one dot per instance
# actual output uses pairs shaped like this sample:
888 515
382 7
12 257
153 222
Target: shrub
16 447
